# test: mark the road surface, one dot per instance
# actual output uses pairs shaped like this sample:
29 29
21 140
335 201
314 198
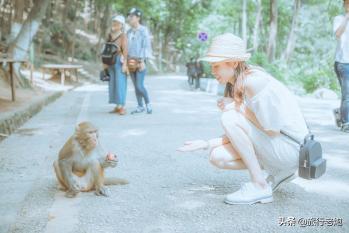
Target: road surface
168 191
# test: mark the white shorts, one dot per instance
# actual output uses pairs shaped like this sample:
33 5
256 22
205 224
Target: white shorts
274 153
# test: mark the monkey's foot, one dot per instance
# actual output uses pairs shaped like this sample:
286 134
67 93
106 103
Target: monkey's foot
61 188
102 191
71 194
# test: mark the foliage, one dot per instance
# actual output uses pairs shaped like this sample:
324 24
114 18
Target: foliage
174 26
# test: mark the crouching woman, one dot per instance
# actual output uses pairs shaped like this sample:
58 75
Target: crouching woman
255 109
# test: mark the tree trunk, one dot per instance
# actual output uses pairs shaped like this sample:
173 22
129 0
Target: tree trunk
273 24
256 25
160 51
20 47
102 29
292 35
18 19
5 19
244 21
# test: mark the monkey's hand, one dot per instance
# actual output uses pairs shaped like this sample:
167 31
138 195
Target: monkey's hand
71 193
73 190
110 160
102 191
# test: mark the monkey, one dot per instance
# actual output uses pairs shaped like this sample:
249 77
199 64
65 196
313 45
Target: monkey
81 163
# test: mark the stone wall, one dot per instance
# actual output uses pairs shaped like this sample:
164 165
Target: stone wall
9 122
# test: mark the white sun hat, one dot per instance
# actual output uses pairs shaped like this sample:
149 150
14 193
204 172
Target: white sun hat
119 18
226 47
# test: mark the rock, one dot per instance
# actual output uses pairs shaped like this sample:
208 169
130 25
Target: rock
324 93
296 89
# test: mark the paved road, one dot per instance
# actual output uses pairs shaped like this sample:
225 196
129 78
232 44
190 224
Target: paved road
168 191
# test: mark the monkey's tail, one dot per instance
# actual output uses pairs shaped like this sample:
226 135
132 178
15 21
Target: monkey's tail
115 181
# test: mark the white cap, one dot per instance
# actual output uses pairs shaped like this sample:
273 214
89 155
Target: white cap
119 18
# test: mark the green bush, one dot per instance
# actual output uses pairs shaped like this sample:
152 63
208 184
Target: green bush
261 59
321 78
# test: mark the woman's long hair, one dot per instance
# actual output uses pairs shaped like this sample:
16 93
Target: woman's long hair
237 90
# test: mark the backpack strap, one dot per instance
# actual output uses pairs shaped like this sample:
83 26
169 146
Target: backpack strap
117 37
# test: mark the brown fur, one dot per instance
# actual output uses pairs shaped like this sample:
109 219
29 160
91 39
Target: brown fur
80 166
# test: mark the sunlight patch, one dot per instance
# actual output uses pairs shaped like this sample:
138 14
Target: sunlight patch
333 188
92 87
190 205
133 132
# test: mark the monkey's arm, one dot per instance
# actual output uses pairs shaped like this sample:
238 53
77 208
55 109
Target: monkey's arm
65 164
104 162
102 157
66 168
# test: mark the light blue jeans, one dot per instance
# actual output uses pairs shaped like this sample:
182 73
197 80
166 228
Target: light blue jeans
138 82
117 84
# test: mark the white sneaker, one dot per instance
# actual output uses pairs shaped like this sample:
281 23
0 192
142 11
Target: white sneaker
281 178
249 193
138 110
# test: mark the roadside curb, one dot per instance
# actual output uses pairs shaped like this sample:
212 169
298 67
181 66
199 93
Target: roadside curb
211 86
14 120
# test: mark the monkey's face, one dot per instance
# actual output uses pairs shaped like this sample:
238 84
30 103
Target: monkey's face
87 135
92 137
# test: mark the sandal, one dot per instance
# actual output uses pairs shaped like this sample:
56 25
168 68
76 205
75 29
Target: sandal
115 110
122 111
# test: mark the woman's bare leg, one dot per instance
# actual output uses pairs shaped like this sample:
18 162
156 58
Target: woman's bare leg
226 157
236 128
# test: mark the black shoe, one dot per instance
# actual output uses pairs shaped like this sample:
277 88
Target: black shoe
104 75
345 127
337 117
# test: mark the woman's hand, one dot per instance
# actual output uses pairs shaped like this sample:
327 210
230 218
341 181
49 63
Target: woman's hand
222 103
124 68
194 145
142 66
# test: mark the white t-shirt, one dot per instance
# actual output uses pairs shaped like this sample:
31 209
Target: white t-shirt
276 108
342 51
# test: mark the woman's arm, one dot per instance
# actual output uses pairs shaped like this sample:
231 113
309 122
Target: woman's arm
342 26
253 87
146 44
124 53
124 46
215 142
203 145
252 117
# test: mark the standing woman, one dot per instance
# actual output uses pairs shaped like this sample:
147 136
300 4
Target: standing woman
118 71
139 50
341 30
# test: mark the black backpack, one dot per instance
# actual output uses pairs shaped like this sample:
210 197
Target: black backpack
110 51
311 163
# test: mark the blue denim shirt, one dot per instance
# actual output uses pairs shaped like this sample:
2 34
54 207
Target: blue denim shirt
138 42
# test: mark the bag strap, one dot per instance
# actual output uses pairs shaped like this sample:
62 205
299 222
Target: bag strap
293 138
117 37
112 41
